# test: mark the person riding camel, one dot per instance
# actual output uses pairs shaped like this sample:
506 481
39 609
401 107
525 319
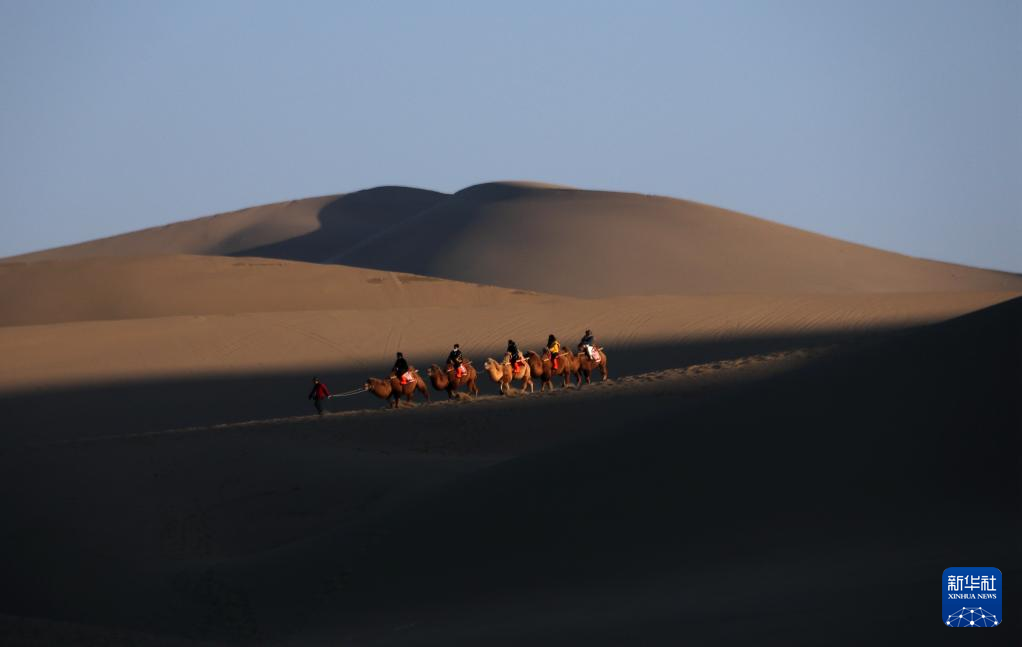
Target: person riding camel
401 370
457 360
587 344
516 355
554 347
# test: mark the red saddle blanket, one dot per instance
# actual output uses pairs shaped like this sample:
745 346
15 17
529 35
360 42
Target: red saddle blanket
407 378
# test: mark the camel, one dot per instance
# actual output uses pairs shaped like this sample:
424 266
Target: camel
586 366
446 380
536 368
567 365
502 374
392 388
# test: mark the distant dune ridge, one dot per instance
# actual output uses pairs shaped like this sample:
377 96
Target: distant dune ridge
279 230
549 239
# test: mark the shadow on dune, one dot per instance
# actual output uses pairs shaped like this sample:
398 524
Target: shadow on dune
818 507
348 221
72 412
388 213
781 510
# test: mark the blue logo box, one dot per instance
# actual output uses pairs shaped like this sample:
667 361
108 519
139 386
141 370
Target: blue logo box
971 596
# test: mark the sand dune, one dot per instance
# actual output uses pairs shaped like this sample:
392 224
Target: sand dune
302 230
688 522
714 515
136 287
93 378
364 340
551 239
778 432
593 243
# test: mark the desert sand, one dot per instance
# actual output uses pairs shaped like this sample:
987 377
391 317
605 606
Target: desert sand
786 423
147 287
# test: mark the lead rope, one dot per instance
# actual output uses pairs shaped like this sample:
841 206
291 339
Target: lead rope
347 394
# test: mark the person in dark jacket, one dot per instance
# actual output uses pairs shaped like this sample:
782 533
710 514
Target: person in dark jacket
512 347
456 359
400 366
318 393
587 343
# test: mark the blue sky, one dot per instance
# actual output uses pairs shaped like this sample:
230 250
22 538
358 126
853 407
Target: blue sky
895 124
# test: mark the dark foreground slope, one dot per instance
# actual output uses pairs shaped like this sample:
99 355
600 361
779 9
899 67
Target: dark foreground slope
815 507
820 507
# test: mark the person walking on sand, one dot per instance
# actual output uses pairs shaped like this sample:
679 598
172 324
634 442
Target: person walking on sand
318 393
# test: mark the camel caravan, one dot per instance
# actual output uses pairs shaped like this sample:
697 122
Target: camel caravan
515 368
